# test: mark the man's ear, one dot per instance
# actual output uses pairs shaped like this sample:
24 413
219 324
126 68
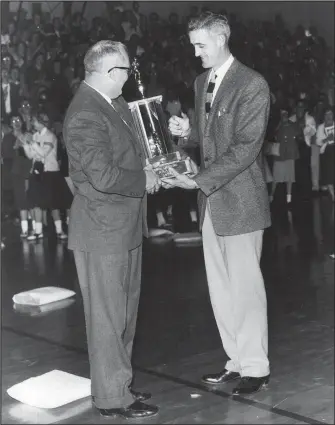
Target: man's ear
222 40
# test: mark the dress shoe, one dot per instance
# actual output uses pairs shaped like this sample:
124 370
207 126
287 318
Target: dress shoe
220 378
134 411
250 385
139 396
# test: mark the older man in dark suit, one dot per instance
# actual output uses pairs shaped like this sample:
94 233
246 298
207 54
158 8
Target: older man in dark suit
232 108
107 219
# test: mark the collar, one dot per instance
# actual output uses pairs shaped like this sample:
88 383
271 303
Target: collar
221 72
102 94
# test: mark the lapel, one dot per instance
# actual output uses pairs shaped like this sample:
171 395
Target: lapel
202 98
117 114
227 85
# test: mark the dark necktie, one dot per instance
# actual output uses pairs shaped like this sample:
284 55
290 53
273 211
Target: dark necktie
209 94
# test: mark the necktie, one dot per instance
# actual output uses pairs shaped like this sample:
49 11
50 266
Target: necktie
209 94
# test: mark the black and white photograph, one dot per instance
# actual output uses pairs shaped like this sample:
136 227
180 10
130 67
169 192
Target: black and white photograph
167 212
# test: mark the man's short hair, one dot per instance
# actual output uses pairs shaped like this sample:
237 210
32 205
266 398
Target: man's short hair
96 53
212 22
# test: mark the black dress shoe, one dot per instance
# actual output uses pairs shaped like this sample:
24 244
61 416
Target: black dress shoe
220 378
135 411
140 396
250 385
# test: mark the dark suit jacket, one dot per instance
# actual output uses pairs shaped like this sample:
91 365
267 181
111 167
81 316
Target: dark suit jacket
14 102
106 166
231 175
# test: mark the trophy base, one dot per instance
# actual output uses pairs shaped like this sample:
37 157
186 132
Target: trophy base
162 164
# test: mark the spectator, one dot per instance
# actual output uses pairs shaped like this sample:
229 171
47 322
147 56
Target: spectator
20 175
325 139
307 129
284 164
47 186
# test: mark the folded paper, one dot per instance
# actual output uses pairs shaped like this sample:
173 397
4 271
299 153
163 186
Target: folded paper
40 296
50 390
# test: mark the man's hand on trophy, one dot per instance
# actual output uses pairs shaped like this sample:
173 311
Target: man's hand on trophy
153 181
180 126
179 180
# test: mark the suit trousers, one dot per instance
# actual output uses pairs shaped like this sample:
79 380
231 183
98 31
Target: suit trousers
238 297
110 286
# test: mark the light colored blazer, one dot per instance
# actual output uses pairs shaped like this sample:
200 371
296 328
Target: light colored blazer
231 177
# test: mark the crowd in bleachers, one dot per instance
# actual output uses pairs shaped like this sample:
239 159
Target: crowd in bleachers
42 67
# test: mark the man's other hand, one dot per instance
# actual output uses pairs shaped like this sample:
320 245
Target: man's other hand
179 126
153 182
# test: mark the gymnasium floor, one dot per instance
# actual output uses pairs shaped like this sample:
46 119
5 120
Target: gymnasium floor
177 339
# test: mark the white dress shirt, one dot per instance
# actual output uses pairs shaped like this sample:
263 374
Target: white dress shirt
220 73
102 94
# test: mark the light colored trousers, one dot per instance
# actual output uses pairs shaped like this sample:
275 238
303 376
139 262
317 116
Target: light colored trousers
238 297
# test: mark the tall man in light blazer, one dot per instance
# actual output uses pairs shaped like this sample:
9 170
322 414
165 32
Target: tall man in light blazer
233 200
107 219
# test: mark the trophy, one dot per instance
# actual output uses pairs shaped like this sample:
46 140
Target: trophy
151 126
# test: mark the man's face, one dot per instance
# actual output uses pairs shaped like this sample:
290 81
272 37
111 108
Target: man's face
329 118
4 76
284 115
117 77
26 108
6 62
300 110
16 123
15 74
207 46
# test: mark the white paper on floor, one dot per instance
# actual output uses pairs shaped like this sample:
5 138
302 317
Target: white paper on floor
40 310
40 296
50 390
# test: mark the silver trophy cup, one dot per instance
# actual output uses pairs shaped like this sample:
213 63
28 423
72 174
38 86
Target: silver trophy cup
151 126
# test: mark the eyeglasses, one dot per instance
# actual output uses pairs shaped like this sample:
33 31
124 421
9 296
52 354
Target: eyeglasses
128 69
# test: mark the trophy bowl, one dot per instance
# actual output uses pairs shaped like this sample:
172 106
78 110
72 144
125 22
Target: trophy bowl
156 141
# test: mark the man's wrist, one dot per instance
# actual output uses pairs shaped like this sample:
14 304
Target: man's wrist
195 183
185 135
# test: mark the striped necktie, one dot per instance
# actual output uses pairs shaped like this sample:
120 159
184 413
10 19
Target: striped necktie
209 94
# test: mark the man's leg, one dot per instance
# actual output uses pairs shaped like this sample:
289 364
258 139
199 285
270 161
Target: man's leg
221 292
102 280
243 254
133 288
